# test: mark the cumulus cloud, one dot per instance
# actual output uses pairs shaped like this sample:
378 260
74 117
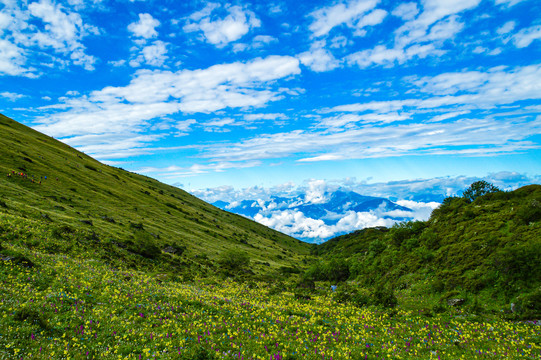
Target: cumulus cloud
526 36
13 60
349 13
11 96
406 11
219 30
63 31
506 28
43 26
154 54
145 27
155 94
318 58
423 34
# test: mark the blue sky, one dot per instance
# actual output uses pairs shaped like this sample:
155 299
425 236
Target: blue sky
237 95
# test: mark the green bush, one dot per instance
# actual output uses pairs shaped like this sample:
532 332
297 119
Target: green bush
376 247
32 316
518 262
145 245
529 213
197 352
384 297
406 230
346 293
234 261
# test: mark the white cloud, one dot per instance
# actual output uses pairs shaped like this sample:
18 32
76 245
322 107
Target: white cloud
13 59
373 18
254 117
63 32
11 96
486 137
381 55
258 42
30 32
316 192
421 210
449 115
406 11
295 223
495 86
506 28
155 94
526 36
221 31
508 3
154 55
145 27
318 58
421 36
197 169
327 18
366 133
185 125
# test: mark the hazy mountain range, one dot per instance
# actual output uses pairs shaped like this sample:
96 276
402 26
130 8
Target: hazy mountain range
319 217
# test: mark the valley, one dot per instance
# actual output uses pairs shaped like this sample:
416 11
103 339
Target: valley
99 262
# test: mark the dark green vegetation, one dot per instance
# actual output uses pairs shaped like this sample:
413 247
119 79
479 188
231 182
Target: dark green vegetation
483 248
77 205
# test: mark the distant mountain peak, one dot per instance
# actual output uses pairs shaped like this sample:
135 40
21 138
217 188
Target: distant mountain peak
328 208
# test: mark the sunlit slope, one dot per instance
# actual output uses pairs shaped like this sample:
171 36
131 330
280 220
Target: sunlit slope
124 210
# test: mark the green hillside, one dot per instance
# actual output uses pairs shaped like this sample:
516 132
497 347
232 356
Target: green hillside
486 251
56 199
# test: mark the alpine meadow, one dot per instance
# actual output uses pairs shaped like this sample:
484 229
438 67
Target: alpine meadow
270 180
98 262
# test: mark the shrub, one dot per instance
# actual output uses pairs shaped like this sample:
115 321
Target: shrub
145 245
32 316
530 304
406 230
197 353
384 297
530 213
337 270
137 226
346 293
376 247
234 261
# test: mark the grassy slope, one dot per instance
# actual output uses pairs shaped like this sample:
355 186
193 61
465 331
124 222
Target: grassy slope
83 198
489 249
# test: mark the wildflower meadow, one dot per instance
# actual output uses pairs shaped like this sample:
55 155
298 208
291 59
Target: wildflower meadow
80 308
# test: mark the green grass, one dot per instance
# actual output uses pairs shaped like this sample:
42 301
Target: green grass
123 212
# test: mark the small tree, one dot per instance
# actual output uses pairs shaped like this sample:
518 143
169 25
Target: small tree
479 188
